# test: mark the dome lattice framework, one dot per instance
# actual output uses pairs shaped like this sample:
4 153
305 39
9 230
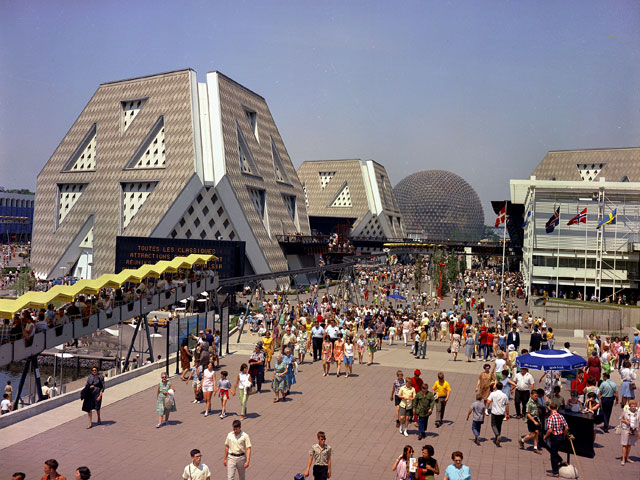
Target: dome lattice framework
440 205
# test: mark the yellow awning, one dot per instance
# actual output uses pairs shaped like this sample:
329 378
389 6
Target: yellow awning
198 259
7 308
150 271
167 266
66 293
59 293
82 287
107 280
31 300
129 275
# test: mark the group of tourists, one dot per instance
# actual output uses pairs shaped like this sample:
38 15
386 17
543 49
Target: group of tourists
50 469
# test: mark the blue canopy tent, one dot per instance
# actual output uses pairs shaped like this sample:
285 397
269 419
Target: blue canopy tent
395 296
551 360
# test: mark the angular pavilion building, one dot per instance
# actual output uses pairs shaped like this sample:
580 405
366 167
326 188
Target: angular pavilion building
166 156
354 193
584 188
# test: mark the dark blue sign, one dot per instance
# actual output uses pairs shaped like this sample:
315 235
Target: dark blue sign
133 252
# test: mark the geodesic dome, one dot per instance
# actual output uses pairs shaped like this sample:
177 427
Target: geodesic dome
440 205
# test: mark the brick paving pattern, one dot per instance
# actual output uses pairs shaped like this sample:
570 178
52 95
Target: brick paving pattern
354 412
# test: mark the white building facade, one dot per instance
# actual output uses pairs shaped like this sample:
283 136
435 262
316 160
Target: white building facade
590 186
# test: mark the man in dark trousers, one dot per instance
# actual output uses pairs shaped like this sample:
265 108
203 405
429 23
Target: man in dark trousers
317 332
320 456
536 340
514 338
557 430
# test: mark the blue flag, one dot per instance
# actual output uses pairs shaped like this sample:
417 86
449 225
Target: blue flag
553 222
609 219
526 221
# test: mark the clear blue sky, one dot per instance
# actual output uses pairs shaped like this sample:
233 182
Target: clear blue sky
481 88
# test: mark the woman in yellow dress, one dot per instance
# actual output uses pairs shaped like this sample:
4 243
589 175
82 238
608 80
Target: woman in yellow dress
591 343
267 343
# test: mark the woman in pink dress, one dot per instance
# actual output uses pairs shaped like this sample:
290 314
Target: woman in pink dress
327 355
338 353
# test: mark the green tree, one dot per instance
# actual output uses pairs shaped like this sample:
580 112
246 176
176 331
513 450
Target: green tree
452 267
417 274
23 281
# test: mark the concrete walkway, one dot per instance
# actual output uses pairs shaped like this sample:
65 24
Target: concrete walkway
355 413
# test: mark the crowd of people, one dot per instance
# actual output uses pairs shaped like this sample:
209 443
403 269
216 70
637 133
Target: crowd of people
339 332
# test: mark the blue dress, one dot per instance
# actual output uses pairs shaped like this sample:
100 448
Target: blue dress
291 376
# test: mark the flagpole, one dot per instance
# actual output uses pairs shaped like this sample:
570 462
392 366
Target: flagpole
558 260
504 246
586 244
615 256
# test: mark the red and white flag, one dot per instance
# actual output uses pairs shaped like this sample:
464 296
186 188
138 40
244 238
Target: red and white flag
579 218
502 216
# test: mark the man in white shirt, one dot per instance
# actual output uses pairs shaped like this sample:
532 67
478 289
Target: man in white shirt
524 384
317 332
332 331
237 452
196 470
498 403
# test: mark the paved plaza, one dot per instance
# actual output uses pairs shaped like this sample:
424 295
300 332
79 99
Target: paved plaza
355 413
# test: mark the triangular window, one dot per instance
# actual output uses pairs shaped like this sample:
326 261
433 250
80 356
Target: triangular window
252 118
290 203
68 195
281 175
589 171
87 242
258 199
84 157
325 178
129 109
133 197
247 164
343 199
152 152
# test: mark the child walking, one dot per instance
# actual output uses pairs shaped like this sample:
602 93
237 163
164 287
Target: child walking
360 347
224 385
477 408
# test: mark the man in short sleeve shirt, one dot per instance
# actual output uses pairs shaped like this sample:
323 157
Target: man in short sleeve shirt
320 456
196 470
237 452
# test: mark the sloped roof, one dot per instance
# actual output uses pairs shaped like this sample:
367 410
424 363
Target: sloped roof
613 164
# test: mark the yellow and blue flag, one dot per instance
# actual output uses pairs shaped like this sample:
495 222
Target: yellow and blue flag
610 219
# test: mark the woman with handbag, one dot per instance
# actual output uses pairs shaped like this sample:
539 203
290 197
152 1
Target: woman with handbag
243 384
165 402
629 423
92 394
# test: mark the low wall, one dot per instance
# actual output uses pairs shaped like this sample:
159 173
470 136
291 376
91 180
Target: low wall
44 406
605 319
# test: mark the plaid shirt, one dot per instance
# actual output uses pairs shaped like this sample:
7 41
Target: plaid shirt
556 423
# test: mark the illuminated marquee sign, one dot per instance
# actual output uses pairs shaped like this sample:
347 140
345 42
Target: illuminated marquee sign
133 252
